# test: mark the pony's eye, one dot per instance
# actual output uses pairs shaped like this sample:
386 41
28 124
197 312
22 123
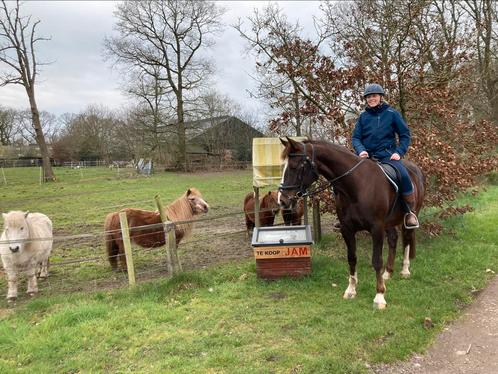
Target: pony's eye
22 228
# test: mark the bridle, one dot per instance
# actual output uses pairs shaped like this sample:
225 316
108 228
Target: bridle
305 160
302 190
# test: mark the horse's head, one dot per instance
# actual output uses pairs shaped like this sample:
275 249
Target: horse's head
16 230
197 203
270 202
299 172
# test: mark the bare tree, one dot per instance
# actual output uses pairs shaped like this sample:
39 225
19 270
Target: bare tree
165 38
6 125
484 14
23 125
17 51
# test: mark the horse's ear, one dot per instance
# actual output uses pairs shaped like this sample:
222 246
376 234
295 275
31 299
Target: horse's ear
269 193
284 142
189 191
292 143
26 214
4 215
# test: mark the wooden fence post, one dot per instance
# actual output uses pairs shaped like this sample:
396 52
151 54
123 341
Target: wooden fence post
305 202
317 225
172 261
4 179
125 235
256 207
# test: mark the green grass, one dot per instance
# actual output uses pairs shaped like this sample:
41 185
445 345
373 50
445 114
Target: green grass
224 319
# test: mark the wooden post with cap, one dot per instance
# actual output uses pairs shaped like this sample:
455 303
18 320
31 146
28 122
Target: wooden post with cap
173 264
125 236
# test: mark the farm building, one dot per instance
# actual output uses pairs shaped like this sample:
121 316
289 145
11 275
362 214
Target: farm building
220 139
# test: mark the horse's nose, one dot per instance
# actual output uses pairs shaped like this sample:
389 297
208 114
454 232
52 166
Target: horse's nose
14 249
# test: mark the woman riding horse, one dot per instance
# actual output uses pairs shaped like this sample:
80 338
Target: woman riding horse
375 136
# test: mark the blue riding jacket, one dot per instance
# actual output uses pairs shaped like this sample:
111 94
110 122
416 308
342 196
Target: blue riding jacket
375 132
376 129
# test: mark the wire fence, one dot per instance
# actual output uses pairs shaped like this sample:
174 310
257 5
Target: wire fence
79 262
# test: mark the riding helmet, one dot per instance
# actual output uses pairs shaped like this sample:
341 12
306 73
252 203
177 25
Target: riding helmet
373 88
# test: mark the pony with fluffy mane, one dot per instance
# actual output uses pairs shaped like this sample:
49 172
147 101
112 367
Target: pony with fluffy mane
268 208
145 226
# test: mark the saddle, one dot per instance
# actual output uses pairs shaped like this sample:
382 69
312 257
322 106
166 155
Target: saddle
391 174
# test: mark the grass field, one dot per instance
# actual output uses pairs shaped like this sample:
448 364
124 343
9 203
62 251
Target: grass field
223 319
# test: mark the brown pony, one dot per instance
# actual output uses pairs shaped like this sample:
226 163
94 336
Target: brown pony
364 200
185 208
292 217
268 208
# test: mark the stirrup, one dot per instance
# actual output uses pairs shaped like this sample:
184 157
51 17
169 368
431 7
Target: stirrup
410 227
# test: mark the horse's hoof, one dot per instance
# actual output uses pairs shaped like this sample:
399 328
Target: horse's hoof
379 306
386 275
405 274
349 295
12 299
31 294
379 302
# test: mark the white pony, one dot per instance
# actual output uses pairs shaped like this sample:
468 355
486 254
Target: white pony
25 246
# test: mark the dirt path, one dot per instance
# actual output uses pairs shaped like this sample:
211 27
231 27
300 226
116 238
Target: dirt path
469 345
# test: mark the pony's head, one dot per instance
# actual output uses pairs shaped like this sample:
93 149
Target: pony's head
197 203
16 230
270 202
299 171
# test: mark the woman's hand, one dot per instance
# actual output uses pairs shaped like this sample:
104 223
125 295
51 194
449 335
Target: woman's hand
395 156
364 154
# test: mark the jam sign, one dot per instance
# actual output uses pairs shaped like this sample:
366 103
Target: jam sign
282 252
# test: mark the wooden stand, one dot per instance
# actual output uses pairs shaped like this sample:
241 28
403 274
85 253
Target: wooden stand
285 261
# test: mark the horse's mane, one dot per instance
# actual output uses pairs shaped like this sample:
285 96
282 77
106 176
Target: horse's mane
180 210
337 147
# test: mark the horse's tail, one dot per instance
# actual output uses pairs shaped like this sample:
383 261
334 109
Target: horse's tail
110 242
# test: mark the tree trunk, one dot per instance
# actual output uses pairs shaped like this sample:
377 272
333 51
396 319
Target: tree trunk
48 174
295 98
182 149
493 101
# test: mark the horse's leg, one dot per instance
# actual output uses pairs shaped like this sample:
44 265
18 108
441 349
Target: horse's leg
392 239
249 226
378 242
350 239
409 251
32 283
12 280
121 255
44 269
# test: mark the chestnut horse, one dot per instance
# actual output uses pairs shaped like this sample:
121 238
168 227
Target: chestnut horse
292 217
268 208
364 200
185 208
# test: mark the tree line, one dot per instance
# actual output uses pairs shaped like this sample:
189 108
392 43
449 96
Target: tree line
437 59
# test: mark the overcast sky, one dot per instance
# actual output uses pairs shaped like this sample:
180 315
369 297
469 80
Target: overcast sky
78 75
